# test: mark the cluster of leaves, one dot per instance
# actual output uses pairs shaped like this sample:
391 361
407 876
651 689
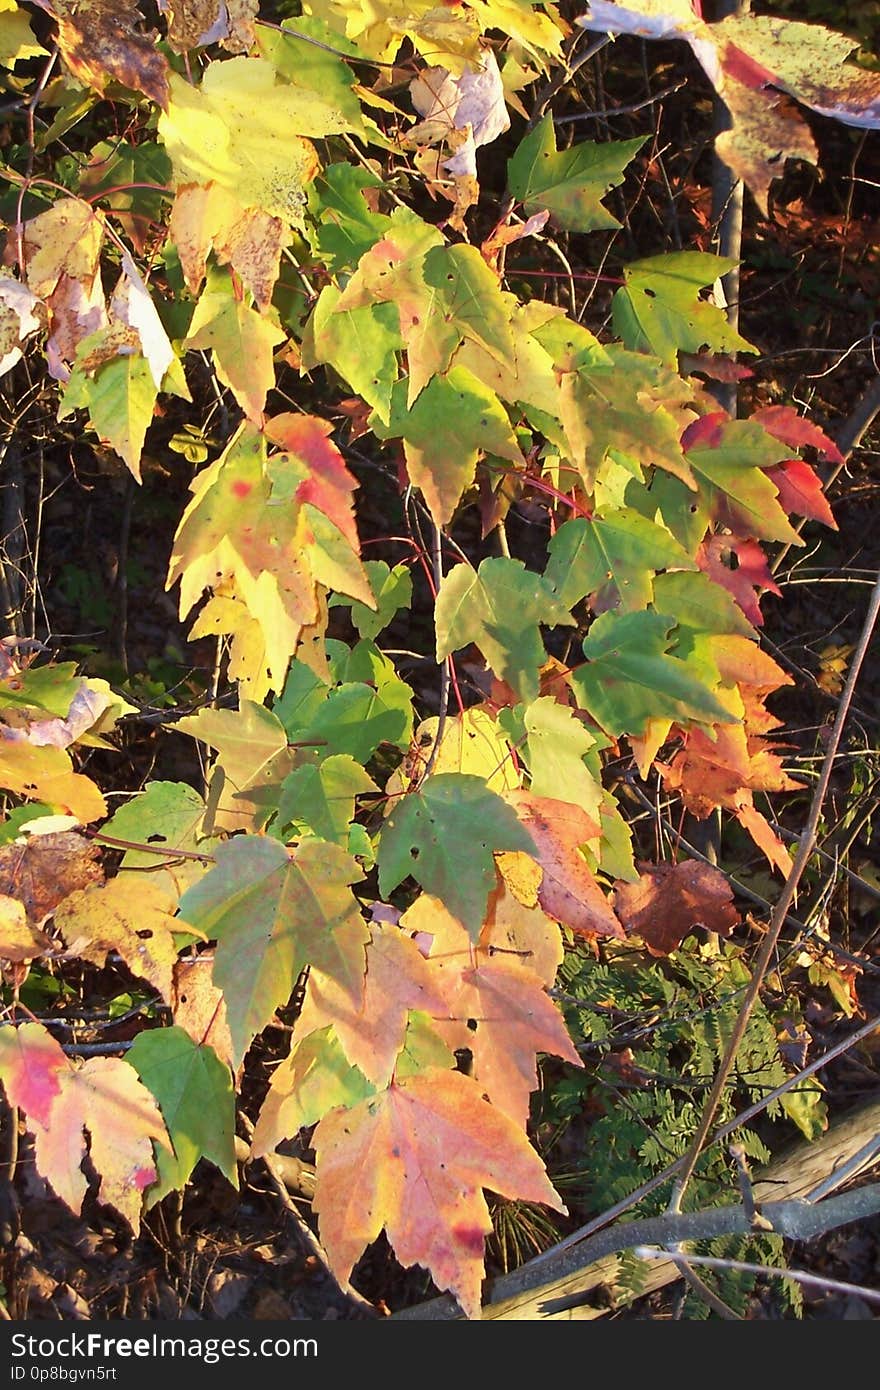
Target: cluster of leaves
425 910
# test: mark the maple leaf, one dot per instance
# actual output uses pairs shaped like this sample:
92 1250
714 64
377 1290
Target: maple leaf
241 342
700 603
361 344
379 28
556 743
46 774
630 676
568 889
766 130
471 742
613 557
62 249
314 1078
273 913
658 309
40 872
164 815
493 1005
568 183
98 46
748 58
271 530
358 717
391 590
318 799
472 102
783 422
130 914
209 217
372 1029
199 1007
311 59
31 1066
194 1092
499 607
19 940
62 1100
444 836
412 1161
198 23
19 317
120 400
455 420
670 900
253 757
751 572
17 40
243 129
729 458
522 929
800 491
626 402
444 296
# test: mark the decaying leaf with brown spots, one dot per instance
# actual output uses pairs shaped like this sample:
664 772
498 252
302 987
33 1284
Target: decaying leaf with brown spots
198 23
46 869
129 915
207 216
100 42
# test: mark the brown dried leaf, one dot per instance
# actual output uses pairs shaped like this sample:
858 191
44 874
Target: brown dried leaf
100 43
198 23
199 1006
669 900
46 869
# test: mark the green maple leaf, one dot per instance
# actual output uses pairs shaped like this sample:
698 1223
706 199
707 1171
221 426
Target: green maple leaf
392 590
555 744
499 607
120 399
241 342
345 228
194 1091
318 799
444 836
624 403
272 913
454 420
253 760
300 700
315 1077
569 183
444 296
360 344
325 81
356 718
699 603
728 458
165 813
658 309
614 557
630 678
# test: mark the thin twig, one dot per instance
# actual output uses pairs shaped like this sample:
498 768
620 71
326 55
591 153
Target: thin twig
305 1232
777 920
814 1281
